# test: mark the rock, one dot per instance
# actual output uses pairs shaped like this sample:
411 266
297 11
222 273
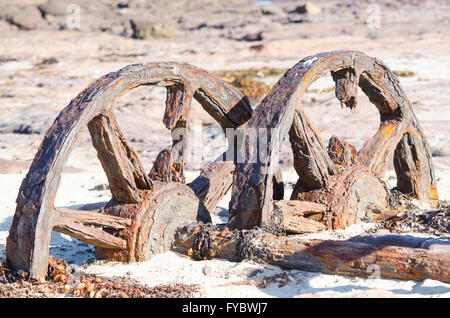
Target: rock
54 7
123 5
258 36
24 129
208 270
100 187
27 18
440 151
295 19
272 10
308 8
8 12
47 61
147 30
4 26
257 48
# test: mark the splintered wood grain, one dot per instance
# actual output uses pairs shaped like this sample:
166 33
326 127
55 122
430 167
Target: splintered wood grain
349 258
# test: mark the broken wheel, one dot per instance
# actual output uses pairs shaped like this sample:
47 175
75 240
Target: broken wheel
345 184
143 214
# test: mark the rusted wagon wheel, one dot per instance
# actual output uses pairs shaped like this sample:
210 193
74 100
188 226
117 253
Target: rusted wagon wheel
346 183
143 214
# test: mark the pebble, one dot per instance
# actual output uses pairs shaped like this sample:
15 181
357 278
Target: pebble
143 29
54 7
208 270
308 8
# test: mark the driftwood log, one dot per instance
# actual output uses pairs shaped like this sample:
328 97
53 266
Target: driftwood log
349 258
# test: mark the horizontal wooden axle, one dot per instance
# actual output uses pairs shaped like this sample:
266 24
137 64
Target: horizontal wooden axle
91 235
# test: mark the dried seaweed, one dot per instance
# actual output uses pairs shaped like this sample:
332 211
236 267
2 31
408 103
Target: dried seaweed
435 222
62 282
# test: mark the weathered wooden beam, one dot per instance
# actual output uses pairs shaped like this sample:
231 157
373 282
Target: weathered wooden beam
298 216
346 90
353 259
378 150
91 218
139 172
213 183
414 169
91 235
162 167
113 157
341 153
355 195
311 160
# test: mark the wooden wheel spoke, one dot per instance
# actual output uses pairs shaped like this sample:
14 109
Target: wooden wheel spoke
213 183
87 226
178 103
91 218
414 169
91 235
119 160
378 151
311 160
169 164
